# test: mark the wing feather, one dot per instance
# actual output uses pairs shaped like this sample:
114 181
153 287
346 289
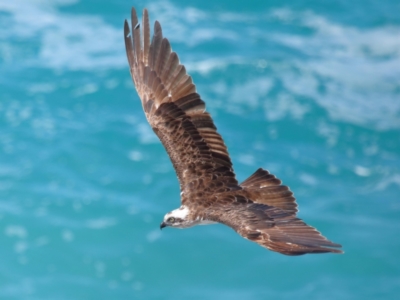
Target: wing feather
176 112
155 46
146 37
260 209
170 67
136 32
163 57
263 187
273 228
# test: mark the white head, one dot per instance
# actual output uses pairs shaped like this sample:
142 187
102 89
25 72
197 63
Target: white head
178 218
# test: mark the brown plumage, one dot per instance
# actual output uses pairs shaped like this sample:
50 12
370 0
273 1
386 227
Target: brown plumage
260 208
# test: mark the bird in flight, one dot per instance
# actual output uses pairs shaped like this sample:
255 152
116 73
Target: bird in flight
260 209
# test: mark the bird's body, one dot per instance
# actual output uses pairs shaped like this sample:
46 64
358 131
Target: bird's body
260 208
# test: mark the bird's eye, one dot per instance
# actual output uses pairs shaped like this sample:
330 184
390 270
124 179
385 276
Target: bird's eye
171 220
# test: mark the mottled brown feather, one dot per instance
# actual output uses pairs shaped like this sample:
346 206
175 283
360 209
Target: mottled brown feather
175 111
275 229
260 209
263 187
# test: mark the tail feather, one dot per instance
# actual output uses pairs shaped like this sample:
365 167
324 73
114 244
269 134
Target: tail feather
264 188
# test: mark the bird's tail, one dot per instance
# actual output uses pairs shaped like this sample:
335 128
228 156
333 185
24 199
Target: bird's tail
263 187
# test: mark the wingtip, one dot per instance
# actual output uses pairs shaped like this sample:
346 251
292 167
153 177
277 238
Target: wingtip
332 249
338 251
133 12
145 15
127 30
309 250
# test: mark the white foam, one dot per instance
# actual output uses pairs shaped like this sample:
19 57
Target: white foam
87 42
66 41
146 135
101 223
16 231
352 73
67 235
20 246
388 181
86 89
135 155
308 179
246 159
189 25
362 171
358 68
153 235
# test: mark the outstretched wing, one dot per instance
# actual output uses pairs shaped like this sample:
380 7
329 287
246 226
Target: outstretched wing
176 112
273 228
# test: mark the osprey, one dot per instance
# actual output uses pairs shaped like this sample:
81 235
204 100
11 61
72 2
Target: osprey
260 209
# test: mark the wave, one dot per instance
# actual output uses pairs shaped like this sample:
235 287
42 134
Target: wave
352 73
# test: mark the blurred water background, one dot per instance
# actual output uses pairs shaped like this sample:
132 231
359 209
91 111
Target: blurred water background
309 90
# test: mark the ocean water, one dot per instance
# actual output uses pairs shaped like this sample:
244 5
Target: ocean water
309 90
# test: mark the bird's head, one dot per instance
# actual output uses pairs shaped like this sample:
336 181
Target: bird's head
177 218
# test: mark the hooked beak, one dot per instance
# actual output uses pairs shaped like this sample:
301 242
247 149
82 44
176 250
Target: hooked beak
162 225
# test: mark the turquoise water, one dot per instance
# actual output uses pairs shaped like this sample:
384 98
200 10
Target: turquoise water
309 90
